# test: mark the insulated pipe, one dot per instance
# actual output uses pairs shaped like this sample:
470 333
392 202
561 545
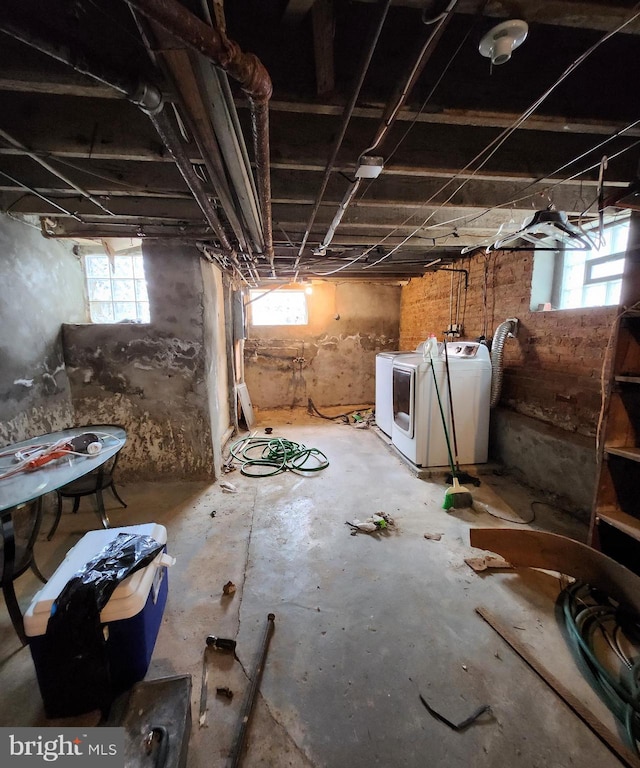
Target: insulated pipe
507 328
246 68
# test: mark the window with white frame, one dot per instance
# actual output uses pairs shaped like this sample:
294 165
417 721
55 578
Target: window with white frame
117 288
280 307
571 279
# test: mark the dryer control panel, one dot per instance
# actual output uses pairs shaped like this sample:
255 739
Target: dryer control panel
466 350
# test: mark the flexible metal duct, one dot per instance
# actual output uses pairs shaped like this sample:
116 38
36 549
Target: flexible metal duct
508 328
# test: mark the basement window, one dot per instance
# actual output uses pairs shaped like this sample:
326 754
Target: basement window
278 307
574 279
117 288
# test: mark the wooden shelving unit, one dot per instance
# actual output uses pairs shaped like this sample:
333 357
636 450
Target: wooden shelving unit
615 522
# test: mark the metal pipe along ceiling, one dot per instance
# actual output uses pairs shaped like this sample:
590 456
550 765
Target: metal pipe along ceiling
390 115
144 95
246 68
346 117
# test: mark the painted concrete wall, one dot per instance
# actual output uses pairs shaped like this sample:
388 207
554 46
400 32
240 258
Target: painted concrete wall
41 287
349 323
152 379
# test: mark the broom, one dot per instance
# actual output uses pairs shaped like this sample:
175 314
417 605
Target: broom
457 496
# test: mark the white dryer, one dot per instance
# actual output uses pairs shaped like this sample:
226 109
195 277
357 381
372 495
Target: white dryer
384 389
417 429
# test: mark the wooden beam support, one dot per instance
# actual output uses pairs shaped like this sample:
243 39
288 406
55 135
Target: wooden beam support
296 10
586 14
466 117
323 31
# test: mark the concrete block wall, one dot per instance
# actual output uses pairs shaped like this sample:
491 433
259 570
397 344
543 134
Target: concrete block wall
349 323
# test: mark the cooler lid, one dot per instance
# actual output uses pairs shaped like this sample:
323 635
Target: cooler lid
125 598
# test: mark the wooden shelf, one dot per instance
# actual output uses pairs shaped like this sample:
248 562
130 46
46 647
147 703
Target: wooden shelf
627 452
622 521
628 379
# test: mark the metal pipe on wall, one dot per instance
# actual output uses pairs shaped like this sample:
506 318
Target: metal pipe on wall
246 68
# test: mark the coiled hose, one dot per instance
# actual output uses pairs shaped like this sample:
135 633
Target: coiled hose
268 456
506 328
586 612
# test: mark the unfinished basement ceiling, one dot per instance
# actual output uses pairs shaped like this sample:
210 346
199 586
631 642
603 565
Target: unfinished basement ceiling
442 188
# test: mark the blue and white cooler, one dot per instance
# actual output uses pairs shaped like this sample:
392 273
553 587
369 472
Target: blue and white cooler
127 631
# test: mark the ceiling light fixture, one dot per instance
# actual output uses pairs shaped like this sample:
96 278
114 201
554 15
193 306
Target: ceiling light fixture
369 167
500 41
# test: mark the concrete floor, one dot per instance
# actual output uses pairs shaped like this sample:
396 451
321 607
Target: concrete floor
363 623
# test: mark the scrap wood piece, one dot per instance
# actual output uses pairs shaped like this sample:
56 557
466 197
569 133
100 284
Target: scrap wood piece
456 726
607 736
486 561
535 549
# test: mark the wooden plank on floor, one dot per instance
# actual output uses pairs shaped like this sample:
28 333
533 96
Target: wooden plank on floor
602 732
537 549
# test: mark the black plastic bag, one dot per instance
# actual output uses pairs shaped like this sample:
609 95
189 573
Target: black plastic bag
75 677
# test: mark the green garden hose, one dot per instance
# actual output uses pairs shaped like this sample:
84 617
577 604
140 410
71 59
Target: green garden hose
268 456
587 611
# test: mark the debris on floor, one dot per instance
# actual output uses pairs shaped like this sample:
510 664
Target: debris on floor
433 536
221 643
379 521
229 588
489 560
213 513
225 691
228 487
456 726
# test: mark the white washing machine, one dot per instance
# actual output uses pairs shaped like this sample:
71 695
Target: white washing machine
384 389
417 429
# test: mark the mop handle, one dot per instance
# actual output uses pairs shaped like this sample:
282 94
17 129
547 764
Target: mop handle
453 418
444 422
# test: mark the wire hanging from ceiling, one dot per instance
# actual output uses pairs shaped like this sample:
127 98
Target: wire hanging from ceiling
508 203
491 149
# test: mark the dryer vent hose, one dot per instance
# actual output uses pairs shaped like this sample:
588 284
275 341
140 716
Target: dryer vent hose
503 331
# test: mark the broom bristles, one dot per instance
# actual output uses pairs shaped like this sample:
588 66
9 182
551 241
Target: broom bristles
457 496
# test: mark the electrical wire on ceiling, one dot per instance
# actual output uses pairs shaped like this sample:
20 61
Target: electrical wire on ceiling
468 220
346 117
412 124
490 150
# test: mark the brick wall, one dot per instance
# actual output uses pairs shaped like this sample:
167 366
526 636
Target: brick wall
552 369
